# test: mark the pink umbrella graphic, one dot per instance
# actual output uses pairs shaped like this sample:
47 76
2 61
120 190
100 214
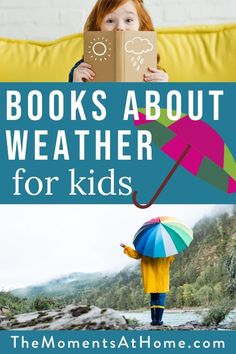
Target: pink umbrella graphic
194 145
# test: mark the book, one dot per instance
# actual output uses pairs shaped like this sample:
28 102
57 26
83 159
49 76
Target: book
120 56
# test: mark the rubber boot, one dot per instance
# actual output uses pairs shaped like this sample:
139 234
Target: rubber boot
153 316
158 316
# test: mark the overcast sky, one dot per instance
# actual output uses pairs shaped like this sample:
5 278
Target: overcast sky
40 242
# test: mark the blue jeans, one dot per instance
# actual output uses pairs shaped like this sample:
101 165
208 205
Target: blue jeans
158 300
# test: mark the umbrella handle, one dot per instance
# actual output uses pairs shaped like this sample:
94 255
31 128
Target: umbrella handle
152 200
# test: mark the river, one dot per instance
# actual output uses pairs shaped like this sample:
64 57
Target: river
176 317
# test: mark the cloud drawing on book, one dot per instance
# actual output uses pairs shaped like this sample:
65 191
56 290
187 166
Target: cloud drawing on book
138 46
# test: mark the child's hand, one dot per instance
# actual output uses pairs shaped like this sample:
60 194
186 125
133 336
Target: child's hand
156 75
83 72
122 245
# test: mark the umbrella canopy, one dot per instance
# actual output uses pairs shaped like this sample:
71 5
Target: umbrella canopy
208 156
162 237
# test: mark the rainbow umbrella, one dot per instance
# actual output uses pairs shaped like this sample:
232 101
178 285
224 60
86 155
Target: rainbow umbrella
194 145
162 237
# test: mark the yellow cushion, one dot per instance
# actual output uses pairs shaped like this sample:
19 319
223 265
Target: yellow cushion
199 53
24 61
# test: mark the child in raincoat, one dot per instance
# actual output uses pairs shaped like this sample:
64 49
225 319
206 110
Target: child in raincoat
156 281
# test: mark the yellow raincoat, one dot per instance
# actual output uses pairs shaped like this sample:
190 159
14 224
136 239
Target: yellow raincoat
155 271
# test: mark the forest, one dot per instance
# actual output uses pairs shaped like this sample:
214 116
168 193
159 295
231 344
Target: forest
202 276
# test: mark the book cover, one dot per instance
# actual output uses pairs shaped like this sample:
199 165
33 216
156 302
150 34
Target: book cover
119 56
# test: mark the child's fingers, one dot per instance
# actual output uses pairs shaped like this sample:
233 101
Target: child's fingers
83 72
86 74
87 68
85 65
159 76
154 80
87 71
153 77
82 69
90 72
156 72
153 70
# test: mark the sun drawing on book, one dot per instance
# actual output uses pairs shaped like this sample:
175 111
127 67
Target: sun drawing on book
99 49
138 47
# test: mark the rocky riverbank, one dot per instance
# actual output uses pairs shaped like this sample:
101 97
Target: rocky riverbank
84 317
68 318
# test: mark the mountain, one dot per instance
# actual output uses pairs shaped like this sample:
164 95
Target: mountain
60 286
202 275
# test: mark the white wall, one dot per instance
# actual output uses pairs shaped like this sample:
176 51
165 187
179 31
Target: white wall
50 19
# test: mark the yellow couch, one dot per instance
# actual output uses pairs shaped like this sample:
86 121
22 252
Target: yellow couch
200 53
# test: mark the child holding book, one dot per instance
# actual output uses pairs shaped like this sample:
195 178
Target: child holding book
156 279
117 15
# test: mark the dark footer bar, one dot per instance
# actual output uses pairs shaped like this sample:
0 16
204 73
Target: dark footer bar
117 341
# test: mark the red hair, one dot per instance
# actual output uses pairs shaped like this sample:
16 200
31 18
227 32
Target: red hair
104 7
